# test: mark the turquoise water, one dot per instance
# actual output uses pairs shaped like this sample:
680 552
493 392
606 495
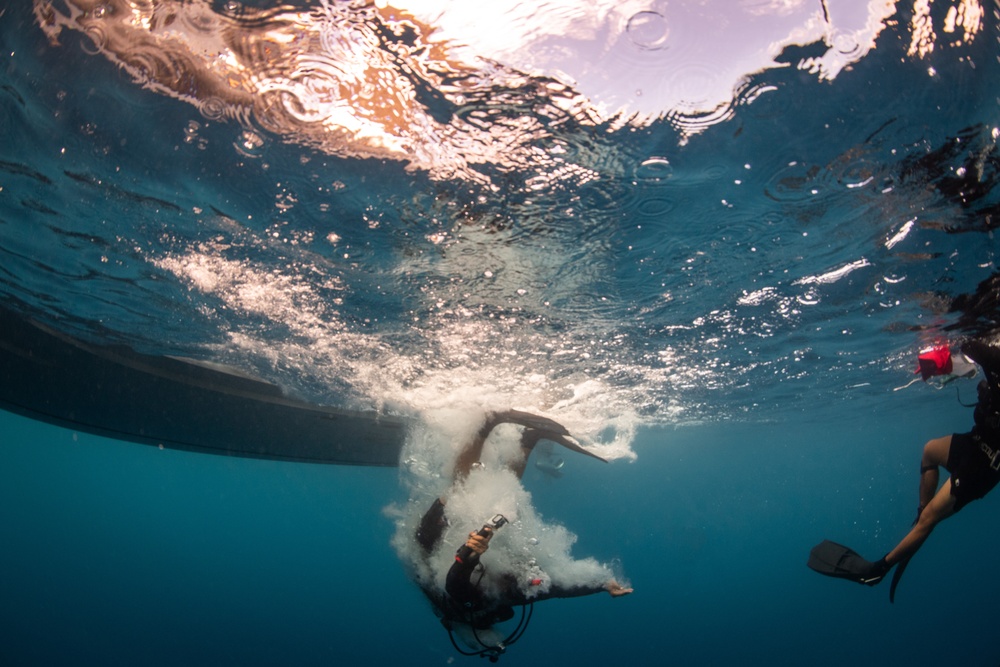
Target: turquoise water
709 239
120 554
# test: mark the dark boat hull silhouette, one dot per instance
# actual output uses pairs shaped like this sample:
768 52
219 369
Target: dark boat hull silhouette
177 403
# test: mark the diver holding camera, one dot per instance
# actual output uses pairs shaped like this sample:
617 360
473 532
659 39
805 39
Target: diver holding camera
465 552
459 584
466 605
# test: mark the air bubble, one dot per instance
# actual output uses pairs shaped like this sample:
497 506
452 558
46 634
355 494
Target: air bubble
654 169
648 30
98 39
250 144
213 108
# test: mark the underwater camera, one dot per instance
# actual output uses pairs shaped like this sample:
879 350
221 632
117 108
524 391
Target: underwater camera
494 523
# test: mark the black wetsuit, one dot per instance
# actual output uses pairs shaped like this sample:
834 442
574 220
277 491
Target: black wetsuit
463 600
974 457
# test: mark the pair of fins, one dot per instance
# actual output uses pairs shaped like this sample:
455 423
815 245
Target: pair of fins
543 428
836 560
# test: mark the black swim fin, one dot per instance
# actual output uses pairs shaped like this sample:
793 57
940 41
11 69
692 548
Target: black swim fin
896 576
569 443
529 420
533 435
539 427
836 560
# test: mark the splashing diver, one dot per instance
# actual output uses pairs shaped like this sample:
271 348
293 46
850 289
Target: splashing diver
973 461
464 601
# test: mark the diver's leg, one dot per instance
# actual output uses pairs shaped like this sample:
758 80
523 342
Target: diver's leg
935 456
540 427
940 507
473 451
529 439
433 523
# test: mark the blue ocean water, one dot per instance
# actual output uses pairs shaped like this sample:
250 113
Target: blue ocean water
710 238
120 554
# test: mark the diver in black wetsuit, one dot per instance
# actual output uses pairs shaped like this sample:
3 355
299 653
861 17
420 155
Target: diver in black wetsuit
973 461
464 601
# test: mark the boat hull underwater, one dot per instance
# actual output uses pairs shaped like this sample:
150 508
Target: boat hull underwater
175 403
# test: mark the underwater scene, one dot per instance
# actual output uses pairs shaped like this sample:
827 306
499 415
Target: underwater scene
434 332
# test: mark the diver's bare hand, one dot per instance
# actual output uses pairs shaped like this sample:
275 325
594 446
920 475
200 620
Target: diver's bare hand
616 590
477 543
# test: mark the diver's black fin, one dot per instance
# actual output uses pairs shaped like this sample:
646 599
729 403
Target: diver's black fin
533 435
540 427
896 576
836 560
569 443
529 420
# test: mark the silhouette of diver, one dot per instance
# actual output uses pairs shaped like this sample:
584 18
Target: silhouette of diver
973 461
467 602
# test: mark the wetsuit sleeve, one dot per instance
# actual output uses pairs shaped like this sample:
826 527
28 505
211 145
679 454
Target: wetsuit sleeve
459 585
431 527
515 596
569 592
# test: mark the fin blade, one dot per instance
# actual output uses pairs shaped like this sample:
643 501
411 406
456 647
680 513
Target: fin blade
530 420
570 444
896 576
835 560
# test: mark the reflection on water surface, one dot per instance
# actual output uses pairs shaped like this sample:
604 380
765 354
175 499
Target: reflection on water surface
625 207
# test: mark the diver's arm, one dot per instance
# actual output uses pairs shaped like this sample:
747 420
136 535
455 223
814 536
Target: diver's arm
458 584
612 587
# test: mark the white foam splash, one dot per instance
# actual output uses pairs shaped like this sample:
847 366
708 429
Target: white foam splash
458 370
834 275
529 547
901 234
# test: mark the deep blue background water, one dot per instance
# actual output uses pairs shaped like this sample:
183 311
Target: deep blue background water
626 276
120 554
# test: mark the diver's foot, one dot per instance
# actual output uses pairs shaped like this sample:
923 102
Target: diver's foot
616 590
877 573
